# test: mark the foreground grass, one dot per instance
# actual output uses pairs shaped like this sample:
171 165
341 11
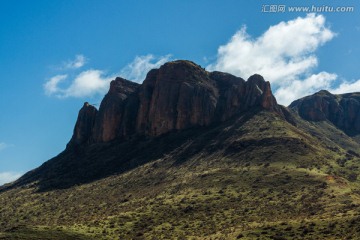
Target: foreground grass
39 232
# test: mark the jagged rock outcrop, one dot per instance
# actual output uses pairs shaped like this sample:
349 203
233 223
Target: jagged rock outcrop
342 110
178 95
259 93
115 111
83 129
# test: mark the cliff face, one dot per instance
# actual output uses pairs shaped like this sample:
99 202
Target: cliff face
113 117
180 95
342 110
177 96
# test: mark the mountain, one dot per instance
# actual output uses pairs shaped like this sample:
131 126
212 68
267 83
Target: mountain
196 154
180 95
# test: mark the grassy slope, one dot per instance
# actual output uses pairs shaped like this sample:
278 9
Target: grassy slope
258 178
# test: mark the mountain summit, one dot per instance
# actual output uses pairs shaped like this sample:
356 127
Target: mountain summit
178 96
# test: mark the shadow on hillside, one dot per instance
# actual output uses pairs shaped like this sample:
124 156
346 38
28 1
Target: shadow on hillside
84 164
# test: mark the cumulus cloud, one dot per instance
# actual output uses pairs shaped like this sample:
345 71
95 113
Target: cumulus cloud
284 54
85 84
7 177
92 82
88 83
296 89
141 65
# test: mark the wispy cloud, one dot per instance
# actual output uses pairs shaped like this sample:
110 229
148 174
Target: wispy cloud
141 65
4 146
93 81
7 177
79 61
52 86
346 87
284 54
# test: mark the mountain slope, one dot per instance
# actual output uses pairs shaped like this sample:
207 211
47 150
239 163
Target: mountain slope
252 170
178 96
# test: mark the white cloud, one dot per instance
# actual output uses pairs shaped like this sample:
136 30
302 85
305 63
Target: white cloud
7 177
88 83
76 63
141 65
85 84
52 86
346 87
93 81
284 55
295 89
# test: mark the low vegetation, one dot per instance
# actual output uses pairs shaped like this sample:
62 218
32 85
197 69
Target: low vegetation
260 178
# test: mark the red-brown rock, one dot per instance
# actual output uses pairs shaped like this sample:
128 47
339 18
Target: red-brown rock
111 121
177 96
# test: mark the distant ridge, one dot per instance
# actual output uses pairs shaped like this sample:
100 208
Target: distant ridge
343 110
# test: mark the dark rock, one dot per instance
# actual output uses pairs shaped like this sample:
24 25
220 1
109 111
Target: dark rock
258 92
111 121
231 95
84 124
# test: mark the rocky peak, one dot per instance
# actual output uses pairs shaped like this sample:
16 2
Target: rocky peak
324 93
177 96
342 110
84 124
259 92
181 95
122 87
182 71
111 121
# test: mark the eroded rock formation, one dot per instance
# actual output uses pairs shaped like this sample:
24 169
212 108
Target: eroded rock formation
178 95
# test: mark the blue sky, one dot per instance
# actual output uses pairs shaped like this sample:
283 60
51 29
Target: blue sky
55 55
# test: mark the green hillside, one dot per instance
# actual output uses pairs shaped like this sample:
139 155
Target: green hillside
252 177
